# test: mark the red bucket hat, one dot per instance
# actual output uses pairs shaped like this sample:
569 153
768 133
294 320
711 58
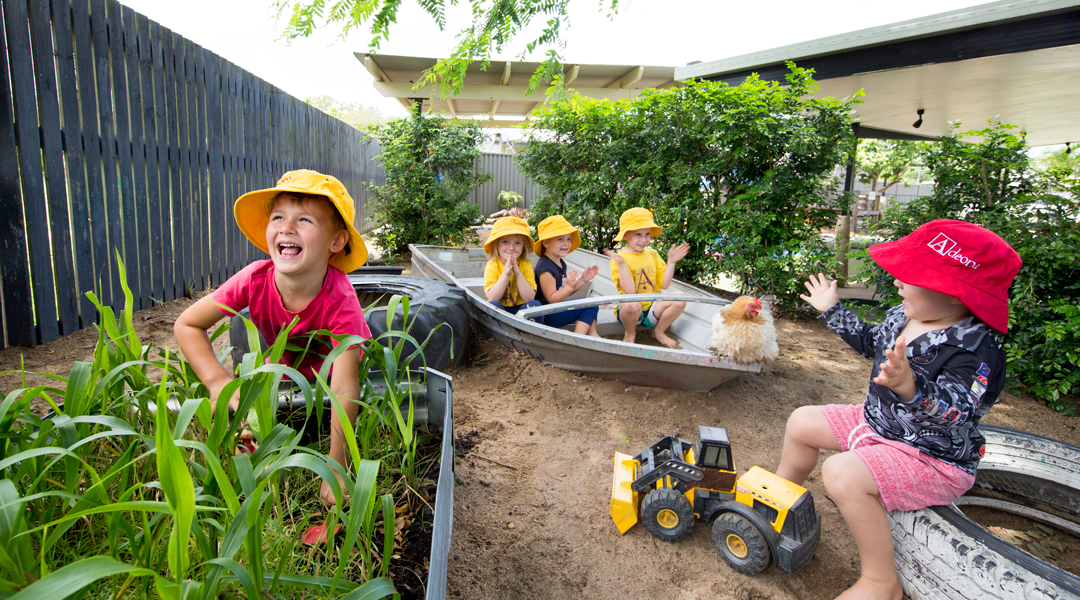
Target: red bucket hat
959 259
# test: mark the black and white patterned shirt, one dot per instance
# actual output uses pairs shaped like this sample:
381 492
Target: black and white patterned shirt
959 373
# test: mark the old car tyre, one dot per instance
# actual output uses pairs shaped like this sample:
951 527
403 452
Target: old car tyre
740 543
667 515
431 304
940 553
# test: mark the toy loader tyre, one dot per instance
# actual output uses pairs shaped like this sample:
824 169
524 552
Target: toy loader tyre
741 543
667 515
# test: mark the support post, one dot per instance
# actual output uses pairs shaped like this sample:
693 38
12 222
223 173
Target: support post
843 224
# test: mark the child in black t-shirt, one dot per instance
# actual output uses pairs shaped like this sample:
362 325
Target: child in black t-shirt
555 239
914 442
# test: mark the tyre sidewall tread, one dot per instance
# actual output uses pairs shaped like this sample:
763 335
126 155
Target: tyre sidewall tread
941 553
667 498
758 555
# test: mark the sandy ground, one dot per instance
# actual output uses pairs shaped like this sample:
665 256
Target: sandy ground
535 456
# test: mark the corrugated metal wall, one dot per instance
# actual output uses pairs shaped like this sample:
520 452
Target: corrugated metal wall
507 177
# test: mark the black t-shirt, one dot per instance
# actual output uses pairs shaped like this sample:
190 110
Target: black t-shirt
959 373
546 265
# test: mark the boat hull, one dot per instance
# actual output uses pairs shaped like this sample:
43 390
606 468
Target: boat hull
693 368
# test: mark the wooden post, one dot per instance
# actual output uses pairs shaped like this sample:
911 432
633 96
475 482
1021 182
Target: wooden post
843 224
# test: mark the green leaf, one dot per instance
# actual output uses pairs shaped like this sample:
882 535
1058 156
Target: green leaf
70 579
380 587
177 484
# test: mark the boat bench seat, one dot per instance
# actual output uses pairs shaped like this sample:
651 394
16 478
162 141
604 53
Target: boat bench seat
475 284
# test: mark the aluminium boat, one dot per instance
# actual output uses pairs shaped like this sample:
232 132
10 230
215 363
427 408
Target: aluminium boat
692 367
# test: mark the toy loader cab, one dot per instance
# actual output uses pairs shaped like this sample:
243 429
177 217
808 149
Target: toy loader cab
756 518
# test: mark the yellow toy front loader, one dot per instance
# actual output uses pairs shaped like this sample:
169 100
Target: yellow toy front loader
756 518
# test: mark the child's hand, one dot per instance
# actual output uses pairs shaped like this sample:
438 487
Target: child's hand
589 273
822 292
214 387
615 256
677 253
572 281
510 263
896 373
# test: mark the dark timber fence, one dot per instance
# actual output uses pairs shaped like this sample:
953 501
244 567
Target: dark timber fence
118 136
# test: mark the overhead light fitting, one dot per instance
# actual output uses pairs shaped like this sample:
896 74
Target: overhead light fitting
918 124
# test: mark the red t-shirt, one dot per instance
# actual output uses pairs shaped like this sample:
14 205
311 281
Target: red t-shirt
335 308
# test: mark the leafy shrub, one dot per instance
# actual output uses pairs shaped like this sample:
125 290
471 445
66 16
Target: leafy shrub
741 173
431 169
992 183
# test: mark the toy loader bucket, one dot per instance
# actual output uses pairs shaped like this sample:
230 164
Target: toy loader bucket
624 501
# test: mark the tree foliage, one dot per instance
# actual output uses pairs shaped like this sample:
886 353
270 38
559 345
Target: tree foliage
992 182
355 114
494 26
741 173
886 161
431 169
1066 160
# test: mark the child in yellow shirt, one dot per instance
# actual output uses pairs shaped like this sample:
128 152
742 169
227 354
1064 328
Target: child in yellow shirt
509 281
638 269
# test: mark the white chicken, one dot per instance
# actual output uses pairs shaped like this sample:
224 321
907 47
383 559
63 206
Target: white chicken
744 332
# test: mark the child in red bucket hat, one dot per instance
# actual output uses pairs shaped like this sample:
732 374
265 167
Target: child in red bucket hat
914 442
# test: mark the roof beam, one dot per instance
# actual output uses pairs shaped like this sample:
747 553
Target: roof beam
450 107
494 108
373 68
629 79
506 74
490 123
571 75
490 92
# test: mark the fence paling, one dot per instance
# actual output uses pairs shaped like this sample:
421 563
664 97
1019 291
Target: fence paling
76 64
13 264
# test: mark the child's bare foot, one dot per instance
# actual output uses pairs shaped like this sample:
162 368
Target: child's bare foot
629 337
665 340
245 440
326 493
868 589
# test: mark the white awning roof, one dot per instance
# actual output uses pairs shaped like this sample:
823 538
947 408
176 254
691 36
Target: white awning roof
498 96
1019 61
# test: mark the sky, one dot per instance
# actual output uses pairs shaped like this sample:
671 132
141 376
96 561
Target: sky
644 32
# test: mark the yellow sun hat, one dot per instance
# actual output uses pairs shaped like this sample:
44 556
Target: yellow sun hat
637 218
553 227
251 211
507 226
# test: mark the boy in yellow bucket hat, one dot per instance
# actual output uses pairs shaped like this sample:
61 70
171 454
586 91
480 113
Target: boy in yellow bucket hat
305 224
509 282
555 238
638 269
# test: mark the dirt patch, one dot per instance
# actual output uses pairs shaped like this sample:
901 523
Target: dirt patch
1053 545
535 447
531 506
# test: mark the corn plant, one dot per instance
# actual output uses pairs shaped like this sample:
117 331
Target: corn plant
131 487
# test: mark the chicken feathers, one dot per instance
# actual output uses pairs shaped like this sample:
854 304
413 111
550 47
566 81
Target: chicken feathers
744 331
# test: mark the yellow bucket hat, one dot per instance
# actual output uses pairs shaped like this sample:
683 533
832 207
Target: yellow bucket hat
507 226
250 212
553 227
637 218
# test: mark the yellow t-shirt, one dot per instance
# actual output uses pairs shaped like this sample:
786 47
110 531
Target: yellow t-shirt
646 268
510 297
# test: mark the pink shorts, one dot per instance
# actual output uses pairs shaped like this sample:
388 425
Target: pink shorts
906 478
